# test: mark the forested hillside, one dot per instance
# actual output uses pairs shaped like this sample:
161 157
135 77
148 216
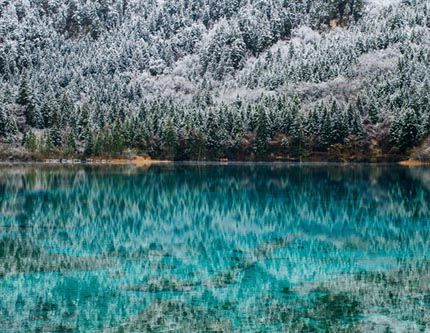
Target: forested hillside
210 79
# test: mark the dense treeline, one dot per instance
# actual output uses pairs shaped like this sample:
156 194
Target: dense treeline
202 79
267 128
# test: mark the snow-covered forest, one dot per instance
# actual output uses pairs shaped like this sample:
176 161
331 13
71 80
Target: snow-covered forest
210 79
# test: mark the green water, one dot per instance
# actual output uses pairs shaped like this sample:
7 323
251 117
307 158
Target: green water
215 248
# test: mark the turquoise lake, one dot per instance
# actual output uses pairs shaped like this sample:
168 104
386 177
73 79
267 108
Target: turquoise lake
215 248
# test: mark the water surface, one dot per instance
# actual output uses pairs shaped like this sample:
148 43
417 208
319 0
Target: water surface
223 248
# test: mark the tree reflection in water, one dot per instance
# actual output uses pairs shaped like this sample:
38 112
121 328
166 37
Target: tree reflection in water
215 248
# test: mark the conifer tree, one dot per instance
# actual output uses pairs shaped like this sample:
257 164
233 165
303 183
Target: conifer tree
195 145
71 143
8 127
3 120
66 110
47 113
24 94
30 141
360 106
373 113
89 149
355 126
339 126
426 127
409 133
326 129
170 141
37 119
262 135
117 140
298 137
55 136
83 124
213 142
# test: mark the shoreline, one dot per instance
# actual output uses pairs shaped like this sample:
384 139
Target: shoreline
414 163
136 161
140 161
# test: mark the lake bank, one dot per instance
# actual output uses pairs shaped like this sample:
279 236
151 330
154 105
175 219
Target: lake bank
138 163
140 160
414 163
22 156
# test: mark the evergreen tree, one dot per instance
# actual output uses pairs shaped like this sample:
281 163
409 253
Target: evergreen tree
355 126
326 129
360 106
339 126
312 124
170 141
195 146
24 93
298 137
47 113
213 142
37 119
71 143
31 114
262 136
55 136
426 127
90 145
117 139
83 124
373 113
66 110
46 143
30 141
395 129
8 127
409 134
3 120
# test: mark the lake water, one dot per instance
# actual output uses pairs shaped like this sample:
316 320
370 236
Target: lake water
223 248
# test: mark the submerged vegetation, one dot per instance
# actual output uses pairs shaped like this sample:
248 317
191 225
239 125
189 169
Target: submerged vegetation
199 79
215 248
